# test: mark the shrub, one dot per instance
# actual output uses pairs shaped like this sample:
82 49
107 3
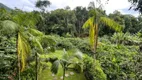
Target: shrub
118 61
126 38
61 42
29 73
70 43
82 44
138 66
92 69
7 58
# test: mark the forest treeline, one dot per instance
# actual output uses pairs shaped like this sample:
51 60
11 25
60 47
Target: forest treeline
42 45
67 22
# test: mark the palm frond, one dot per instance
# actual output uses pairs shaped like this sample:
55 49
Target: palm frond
39 46
36 39
65 55
78 54
55 66
24 50
8 27
75 53
26 19
89 22
78 67
35 32
111 23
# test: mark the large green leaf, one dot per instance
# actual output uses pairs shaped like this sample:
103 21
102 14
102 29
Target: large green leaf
8 27
25 19
111 23
78 54
24 50
35 32
55 66
89 23
35 38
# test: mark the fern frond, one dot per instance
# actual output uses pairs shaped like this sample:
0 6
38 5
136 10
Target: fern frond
24 50
26 19
111 23
39 46
35 32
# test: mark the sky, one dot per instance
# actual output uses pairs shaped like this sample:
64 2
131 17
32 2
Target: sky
29 5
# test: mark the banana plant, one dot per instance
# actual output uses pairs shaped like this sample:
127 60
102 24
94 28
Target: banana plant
18 24
40 43
93 23
23 48
74 58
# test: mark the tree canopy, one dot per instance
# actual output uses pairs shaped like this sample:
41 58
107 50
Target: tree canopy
136 5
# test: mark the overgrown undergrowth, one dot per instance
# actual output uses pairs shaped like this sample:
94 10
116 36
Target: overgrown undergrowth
114 60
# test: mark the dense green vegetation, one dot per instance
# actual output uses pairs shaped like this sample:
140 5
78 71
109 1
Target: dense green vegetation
64 44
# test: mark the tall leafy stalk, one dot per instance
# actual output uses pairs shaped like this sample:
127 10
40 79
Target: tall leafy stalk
36 66
67 59
18 58
19 24
94 22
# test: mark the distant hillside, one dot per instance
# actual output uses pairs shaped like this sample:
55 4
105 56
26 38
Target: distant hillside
4 6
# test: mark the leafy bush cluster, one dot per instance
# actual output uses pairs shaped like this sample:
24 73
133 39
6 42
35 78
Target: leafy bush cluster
126 38
7 58
70 43
92 69
120 61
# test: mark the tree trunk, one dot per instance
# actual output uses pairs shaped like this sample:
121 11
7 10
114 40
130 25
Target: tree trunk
36 66
96 38
79 30
18 58
96 31
64 73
